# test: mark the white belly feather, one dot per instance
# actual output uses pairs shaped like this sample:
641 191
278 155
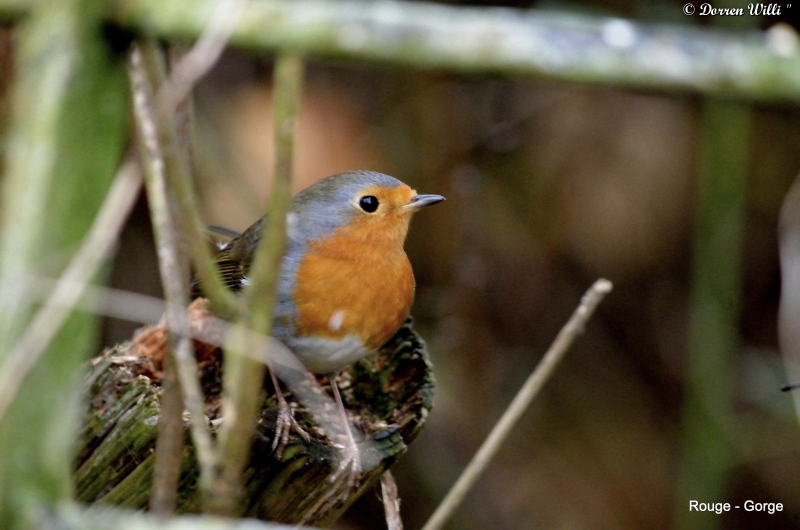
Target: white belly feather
324 356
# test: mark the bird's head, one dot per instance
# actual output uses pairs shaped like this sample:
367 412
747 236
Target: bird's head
358 205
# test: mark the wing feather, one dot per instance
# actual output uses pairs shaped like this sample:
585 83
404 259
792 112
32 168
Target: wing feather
230 269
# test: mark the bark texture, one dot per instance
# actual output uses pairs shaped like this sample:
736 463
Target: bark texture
388 396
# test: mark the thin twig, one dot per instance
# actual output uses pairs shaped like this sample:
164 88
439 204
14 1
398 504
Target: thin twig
169 440
136 307
243 378
174 211
73 283
177 174
520 404
174 277
187 72
192 67
205 53
391 501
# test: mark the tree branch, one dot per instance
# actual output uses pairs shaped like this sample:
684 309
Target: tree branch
571 330
163 109
151 131
708 423
558 46
789 312
176 172
754 65
169 441
243 377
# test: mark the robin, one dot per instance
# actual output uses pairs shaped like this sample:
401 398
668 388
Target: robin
346 284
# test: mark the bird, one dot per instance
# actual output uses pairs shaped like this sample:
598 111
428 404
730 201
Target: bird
346 285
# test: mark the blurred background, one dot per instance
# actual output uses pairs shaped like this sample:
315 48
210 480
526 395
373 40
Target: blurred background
549 187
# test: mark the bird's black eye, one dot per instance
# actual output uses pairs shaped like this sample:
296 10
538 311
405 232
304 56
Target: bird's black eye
368 203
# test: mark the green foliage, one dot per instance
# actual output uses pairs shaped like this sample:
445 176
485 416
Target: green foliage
66 139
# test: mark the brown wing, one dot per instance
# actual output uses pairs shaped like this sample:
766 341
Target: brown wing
231 270
233 260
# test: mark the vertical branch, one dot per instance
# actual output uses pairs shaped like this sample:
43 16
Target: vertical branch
169 442
714 310
160 151
707 422
166 133
789 313
268 256
244 377
177 175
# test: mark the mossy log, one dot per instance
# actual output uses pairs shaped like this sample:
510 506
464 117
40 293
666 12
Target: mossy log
387 395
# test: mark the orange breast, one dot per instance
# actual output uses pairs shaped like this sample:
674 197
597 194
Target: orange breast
354 286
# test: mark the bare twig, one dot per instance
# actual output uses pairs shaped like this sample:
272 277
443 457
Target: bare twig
174 277
100 300
158 128
520 404
243 378
174 211
177 175
194 65
391 501
205 53
67 292
136 307
169 441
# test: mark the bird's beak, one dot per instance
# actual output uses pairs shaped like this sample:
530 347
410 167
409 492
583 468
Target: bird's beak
418 201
